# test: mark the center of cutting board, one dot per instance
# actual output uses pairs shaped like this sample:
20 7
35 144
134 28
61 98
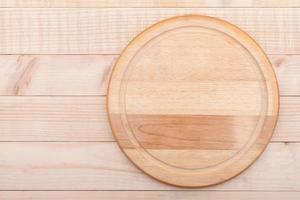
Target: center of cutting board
193 101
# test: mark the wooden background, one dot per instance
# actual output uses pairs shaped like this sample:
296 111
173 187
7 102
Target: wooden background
56 57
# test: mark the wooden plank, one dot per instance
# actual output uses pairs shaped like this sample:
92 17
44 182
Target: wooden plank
146 195
53 119
71 118
288 125
287 68
108 30
54 74
89 74
148 3
102 166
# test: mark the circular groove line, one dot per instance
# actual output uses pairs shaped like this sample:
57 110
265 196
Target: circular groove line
243 164
127 75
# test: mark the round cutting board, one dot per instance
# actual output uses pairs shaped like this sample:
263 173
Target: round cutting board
193 101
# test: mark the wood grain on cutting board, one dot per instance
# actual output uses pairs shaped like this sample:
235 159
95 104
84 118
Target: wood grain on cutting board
193 101
49 99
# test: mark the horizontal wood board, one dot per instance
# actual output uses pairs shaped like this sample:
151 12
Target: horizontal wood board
108 30
89 74
102 166
72 118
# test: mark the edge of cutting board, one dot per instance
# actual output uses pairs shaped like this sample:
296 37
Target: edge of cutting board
225 23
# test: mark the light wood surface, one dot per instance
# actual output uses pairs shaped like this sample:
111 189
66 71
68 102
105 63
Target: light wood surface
55 74
102 27
193 101
64 74
147 195
102 166
108 30
84 118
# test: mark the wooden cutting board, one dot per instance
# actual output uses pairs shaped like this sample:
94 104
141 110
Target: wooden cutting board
193 101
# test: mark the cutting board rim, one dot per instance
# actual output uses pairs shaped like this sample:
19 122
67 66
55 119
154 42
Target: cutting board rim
275 108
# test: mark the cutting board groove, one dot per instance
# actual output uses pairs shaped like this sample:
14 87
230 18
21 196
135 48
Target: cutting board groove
193 101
